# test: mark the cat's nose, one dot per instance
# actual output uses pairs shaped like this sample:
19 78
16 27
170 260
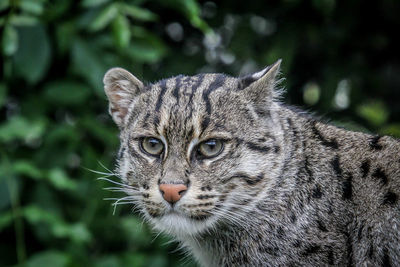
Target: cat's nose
172 192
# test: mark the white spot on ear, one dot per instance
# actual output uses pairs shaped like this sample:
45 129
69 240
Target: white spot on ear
259 74
271 70
260 87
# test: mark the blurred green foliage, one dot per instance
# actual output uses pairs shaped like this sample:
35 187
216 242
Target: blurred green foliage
340 58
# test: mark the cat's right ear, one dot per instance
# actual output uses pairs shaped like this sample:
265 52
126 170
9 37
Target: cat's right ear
260 87
121 87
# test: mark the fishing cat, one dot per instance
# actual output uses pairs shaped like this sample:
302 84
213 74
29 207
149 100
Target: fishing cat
241 179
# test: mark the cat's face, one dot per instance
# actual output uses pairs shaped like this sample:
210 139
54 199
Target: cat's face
195 149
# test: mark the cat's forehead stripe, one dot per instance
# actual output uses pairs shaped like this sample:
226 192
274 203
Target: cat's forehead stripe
196 85
177 89
216 84
163 86
178 83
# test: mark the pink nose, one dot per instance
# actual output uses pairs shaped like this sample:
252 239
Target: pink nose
172 192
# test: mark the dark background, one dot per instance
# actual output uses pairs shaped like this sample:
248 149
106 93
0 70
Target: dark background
340 60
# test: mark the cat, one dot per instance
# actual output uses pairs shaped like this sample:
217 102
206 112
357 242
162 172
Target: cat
241 179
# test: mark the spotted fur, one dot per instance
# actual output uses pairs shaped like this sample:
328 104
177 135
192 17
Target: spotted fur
286 190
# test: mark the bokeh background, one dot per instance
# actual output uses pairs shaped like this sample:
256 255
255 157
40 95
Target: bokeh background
340 60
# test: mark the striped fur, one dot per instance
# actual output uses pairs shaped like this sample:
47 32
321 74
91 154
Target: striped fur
285 190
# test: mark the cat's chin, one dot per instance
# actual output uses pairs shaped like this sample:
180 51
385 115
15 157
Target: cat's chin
181 225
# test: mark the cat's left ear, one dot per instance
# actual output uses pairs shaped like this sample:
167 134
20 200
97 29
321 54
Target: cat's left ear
260 86
121 87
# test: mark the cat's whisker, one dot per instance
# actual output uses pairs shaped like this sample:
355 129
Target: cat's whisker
158 234
102 165
107 174
124 190
123 203
114 182
122 198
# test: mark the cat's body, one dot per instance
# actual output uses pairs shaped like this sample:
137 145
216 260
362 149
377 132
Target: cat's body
242 180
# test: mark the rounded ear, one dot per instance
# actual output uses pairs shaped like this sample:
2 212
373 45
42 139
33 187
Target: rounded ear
260 86
121 87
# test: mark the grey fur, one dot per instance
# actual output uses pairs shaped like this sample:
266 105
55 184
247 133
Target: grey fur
287 190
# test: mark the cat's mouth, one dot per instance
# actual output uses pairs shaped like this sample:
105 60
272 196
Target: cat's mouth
193 211
181 224
179 221
195 216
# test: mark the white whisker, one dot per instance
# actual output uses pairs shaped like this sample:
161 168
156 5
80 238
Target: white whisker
99 172
124 190
101 164
114 182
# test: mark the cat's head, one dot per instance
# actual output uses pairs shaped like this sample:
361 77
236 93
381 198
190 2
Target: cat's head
195 149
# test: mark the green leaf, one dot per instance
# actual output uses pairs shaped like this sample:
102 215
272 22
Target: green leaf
137 12
23 167
87 63
77 232
66 93
5 197
33 7
106 15
147 47
93 3
158 260
192 10
62 133
3 94
24 20
59 179
143 52
6 219
135 230
121 31
391 129
4 4
98 130
34 214
65 34
49 258
375 112
108 261
17 128
137 259
30 65
9 41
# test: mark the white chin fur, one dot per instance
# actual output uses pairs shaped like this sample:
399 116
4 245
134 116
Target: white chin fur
180 225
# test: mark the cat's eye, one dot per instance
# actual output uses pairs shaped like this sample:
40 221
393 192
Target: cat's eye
152 146
210 148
